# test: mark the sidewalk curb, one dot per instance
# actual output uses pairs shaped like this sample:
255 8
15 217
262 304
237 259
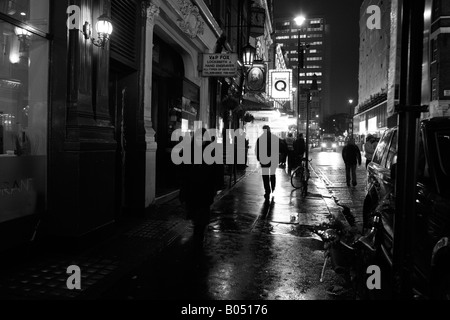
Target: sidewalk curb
335 209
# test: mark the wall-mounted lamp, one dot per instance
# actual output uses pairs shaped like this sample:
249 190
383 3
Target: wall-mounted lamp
248 54
104 30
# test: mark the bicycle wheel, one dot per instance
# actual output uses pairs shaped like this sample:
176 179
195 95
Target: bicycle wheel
297 178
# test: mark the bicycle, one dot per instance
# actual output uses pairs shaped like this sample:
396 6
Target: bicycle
300 177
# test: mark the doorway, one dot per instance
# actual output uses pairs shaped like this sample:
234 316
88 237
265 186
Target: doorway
117 97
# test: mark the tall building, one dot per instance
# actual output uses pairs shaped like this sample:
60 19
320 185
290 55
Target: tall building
313 36
379 69
374 58
436 83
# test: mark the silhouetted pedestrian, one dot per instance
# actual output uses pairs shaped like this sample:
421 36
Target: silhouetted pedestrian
352 157
267 153
290 151
198 187
299 148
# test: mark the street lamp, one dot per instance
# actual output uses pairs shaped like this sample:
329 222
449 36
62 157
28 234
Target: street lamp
104 30
350 122
299 20
248 54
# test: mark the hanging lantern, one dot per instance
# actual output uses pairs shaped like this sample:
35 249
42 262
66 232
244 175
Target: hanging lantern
248 54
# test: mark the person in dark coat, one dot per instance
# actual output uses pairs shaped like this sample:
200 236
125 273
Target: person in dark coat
268 156
198 187
352 157
299 149
291 153
283 153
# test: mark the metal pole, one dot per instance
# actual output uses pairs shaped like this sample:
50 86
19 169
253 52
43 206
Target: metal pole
298 83
307 126
408 114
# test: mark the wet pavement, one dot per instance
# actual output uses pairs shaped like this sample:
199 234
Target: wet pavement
254 249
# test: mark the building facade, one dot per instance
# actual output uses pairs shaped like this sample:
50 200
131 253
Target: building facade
374 62
379 73
86 126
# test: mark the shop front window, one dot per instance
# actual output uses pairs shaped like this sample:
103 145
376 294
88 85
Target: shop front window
23 120
32 12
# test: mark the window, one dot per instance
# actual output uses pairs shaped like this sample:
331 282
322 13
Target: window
422 165
314 58
381 147
315 35
443 148
33 13
313 51
313 67
434 89
316 43
392 153
23 113
282 37
433 50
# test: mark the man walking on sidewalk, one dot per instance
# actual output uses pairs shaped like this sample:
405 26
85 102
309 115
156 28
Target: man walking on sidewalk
352 156
198 187
267 153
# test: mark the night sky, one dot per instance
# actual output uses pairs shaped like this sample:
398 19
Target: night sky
343 18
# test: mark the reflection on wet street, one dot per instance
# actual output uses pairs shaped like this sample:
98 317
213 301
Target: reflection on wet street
255 249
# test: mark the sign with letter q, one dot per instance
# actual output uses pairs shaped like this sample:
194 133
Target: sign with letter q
280 84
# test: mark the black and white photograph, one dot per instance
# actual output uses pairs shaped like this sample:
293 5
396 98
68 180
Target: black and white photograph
215 158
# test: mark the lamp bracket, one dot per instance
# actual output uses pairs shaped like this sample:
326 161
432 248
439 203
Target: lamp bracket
87 30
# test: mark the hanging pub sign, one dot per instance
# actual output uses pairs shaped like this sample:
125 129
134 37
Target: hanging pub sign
256 79
280 84
258 17
219 65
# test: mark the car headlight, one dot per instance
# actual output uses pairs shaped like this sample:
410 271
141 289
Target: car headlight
334 145
324 145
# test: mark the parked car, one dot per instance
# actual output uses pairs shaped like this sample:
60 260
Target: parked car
431 232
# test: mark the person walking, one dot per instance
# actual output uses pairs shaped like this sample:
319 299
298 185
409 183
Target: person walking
290 151
299 148
352 157
369 148
283 153
198 187
267 153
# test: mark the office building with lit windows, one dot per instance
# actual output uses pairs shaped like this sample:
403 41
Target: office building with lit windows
314 35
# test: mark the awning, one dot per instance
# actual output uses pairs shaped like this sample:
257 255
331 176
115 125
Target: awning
252 102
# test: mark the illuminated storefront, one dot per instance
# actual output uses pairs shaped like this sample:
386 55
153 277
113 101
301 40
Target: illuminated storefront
24 73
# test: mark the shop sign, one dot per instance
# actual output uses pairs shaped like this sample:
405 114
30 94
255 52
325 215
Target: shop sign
219 65
258 17
280 84
21 181
256 79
